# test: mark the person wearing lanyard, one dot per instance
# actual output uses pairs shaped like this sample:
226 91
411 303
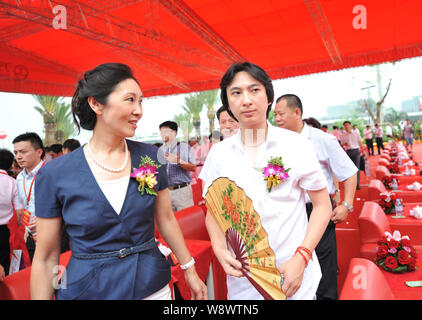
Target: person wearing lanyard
29 152
334 163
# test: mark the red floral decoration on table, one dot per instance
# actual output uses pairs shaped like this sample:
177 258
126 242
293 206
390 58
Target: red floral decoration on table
395 253
393 167
387 202
387 180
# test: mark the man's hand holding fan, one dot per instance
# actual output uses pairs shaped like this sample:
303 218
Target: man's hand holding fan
245 250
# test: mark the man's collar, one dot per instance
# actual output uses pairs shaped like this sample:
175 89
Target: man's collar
33 171
306 131
272 137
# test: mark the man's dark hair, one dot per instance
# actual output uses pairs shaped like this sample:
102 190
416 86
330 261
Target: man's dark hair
347 121
222 109
56 148
335 127
6 159
292 101
169 124
255 72
71 144
33 138
324 126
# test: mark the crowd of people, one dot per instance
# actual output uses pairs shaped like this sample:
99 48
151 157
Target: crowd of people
83 196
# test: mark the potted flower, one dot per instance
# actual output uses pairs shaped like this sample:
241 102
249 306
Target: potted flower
395 253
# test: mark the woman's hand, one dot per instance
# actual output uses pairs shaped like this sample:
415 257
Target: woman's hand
198 289
292 270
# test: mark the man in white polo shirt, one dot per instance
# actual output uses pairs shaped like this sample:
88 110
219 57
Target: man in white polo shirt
368 133
352 143
334 163
248 92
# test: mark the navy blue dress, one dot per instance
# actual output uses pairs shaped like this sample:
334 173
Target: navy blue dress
66 187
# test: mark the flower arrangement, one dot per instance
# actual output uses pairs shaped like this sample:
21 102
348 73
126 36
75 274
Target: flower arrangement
275 173
387 202
395 253
393 167
387 181
146 176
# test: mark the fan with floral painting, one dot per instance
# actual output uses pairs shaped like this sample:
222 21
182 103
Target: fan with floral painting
246 238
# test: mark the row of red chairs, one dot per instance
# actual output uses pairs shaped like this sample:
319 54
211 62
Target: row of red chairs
364 279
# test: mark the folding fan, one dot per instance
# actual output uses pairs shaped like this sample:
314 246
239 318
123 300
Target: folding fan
245 236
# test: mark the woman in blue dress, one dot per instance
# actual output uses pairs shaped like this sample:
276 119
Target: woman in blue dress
108 214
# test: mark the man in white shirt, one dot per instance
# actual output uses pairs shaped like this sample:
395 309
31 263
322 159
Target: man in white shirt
389 130
334 163
368 133
29 151
352 143
8 202
379 138
248 92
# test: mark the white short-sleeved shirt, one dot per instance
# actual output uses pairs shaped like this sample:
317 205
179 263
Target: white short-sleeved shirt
331 156
8 197
282 211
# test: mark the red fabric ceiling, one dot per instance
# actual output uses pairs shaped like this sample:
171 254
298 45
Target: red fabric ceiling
177 46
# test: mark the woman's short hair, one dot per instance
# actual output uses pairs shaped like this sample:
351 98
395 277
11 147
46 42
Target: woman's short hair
6 159
97 83
256 72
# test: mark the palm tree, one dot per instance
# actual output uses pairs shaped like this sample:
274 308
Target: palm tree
48 112
64 122
193 105
57 119
210 98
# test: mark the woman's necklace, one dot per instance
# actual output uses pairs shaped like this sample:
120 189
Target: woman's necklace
105 167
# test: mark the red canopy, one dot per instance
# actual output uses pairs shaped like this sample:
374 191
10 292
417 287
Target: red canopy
177 46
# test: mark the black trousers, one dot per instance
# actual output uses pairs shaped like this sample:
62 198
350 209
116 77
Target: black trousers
379 145
326 251
30 245
5 248
354 155
370 145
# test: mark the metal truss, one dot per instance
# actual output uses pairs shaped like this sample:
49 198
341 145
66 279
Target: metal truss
191 20
100 26
324 29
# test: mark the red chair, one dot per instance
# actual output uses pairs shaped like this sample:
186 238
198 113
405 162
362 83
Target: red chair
383 162
198 200
376 187
372 225
386 156
17 285
381 172
192 223
365 281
